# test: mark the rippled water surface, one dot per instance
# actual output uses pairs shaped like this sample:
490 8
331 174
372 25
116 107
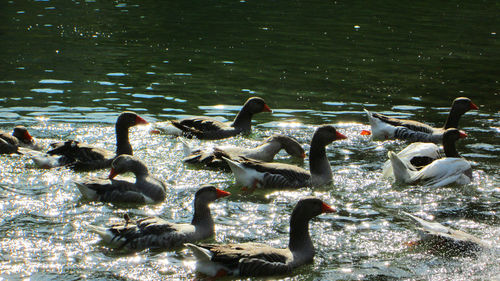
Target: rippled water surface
70 67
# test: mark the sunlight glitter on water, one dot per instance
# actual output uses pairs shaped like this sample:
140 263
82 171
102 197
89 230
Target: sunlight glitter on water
365 238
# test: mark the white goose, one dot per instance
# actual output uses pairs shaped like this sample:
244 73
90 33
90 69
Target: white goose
384 127
420 154
441 172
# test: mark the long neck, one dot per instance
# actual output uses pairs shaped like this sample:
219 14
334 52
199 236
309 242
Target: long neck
318 162
140 171
243 121
449 149
266 151
453 118
202 217
122 142
300 240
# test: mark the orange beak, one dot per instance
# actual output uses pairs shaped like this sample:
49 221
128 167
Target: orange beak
266 108
473 106
27 136
327 209
222 193
366 133
112 174
303 155
340 136
140 121
462 134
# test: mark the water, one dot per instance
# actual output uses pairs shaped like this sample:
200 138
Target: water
69 68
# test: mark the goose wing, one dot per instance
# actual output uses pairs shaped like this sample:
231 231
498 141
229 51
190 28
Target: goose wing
410 124
444 171
278 175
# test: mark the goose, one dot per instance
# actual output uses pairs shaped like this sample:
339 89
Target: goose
208 128
254 174
82 157
265 152
256 259
157 233
444 240
420 154
385 127
20 138
145 190
441 172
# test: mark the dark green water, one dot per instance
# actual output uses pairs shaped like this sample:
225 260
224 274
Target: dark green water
68 68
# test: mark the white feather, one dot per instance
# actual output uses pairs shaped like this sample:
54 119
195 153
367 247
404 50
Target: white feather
431 226
107 236
204 263
421 149
186 149
86 191
401 172
42 160
243 175
167 128
441 172
380 129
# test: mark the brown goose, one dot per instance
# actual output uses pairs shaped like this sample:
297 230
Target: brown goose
211 129
20 138
385 127
82 157
145 190
446 241
265 152
254 174
154 232
255 259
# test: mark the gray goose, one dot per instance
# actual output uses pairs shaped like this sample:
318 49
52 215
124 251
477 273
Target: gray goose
20 137
443 240
82 157
256 259
256 174
145 190
385 127
156 233
212 158
207 128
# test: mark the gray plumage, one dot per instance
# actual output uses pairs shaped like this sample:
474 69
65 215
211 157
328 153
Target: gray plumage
256 259
82 157
255 174
207 128
145 190
157 233
265 152
385 127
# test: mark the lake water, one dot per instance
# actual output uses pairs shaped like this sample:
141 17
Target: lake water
70 67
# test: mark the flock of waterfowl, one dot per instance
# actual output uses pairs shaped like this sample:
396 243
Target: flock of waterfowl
422 162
